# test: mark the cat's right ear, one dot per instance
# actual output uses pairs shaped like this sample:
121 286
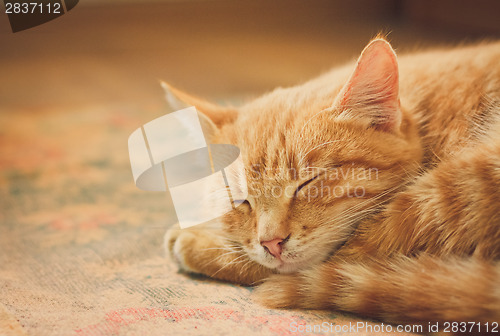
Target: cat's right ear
212 116
372 92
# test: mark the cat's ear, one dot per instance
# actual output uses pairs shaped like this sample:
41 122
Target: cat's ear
372 91
212 116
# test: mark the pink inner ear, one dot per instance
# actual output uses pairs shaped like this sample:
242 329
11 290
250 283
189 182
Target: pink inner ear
374 86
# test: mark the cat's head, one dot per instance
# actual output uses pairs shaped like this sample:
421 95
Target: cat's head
318 158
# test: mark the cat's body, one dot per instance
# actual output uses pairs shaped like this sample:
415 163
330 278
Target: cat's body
418 240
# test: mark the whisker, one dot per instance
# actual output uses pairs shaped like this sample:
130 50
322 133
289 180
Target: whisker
233 262
226 248
353 212
218 258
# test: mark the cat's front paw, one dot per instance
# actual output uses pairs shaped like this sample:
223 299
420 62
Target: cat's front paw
209 253
176 244
281 291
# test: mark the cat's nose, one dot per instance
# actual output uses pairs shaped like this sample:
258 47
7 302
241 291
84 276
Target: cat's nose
273 246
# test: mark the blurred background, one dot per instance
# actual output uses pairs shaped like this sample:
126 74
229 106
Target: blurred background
115 51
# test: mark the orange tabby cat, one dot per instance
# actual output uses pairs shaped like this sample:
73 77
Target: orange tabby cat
373 189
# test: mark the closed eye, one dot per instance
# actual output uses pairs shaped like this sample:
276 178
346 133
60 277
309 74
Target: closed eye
304 184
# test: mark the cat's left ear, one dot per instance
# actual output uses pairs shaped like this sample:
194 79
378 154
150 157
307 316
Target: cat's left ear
372 92
212 117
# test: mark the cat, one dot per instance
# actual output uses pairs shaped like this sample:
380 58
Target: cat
392 167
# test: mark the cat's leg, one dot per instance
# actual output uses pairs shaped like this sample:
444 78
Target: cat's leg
208 252
397 290
452 209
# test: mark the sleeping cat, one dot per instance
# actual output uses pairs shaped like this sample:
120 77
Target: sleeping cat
372 189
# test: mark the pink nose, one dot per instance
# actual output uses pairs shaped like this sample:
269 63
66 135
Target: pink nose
273 246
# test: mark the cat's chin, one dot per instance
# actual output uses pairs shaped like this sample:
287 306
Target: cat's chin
291 267
285 267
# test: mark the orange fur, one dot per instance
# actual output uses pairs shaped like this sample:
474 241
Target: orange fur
422 242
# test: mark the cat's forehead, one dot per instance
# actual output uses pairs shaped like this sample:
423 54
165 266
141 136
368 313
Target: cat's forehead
283 152
283 133
276 117
277 137
282 104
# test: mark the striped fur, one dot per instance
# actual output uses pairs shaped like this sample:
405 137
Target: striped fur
422 243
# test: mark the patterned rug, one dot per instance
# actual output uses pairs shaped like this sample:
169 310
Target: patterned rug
81 246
